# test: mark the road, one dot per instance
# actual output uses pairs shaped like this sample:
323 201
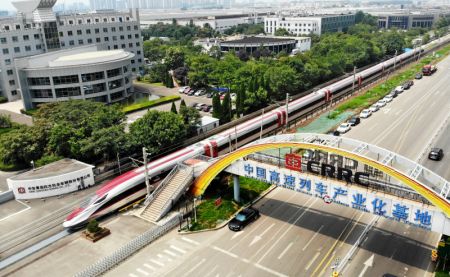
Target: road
300 236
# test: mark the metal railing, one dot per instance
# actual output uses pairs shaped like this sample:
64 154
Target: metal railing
108 262
161 186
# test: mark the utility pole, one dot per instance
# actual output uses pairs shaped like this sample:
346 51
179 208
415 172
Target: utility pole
235 137
262 119
395 59
147 183
118 162
287 111
354 79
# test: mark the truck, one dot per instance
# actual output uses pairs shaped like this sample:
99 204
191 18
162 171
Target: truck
428 69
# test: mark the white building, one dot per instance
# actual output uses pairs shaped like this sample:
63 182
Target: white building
36 30
207 124
304 25
77 73
57 178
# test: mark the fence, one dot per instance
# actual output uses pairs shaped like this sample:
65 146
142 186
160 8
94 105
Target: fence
108 262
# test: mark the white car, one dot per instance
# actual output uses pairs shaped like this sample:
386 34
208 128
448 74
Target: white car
399 89
381 103
233 96
344 128
365 113
388 98
181 90
200 92
374 108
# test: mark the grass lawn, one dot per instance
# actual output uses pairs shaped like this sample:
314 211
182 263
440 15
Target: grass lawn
150 103
209 216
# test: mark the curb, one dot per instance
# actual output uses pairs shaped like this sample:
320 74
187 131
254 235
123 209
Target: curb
223 224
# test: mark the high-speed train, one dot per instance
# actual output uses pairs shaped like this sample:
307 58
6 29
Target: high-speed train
130 186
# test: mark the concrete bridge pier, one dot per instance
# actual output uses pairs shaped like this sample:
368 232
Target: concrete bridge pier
236 188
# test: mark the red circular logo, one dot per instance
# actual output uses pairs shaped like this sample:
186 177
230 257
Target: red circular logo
21 190
327 199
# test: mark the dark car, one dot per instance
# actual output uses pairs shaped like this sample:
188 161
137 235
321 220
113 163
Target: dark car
354 121
200 106
206 108
393 93
418 76
436 154
193 105
243 218
334 133
209 95
389 275
191 92
407 84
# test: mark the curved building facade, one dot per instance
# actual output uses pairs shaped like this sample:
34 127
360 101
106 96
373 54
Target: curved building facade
80 73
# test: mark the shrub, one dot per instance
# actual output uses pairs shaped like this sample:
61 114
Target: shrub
150 103
46 159
3 99
92 226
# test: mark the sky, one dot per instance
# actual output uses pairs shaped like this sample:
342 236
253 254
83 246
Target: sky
6 4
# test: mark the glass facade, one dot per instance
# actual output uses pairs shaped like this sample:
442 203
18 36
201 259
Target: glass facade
51 35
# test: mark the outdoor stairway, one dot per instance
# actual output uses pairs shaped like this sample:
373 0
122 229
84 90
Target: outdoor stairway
167 193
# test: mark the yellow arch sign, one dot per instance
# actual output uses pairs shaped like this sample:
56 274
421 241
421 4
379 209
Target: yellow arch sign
203 181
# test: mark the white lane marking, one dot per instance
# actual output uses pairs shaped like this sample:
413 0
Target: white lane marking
194 267
285 250
156 262
132 275
178 249
270 270
398 112
164 257
190 241
16 213
259 237
149 266
287 230
226 252
367 264
170 253
142 271
312 238
312 261
237 235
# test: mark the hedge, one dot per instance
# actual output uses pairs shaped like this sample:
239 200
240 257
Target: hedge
150 103
3 99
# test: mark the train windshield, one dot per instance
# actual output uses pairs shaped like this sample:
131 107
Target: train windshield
88 201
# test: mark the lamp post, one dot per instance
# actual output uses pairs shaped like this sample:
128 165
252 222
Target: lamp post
287 112
147 183
32 164
395 59
262 119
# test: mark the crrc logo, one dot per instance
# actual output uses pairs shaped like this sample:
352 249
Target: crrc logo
21 190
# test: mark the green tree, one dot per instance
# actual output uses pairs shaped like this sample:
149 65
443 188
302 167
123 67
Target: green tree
154 49
174 57
21 146
5 121
191 117
226 109
157 130
93 227
281 32
282 79
169 82
174 108
391 42
217 107
201 68
182 103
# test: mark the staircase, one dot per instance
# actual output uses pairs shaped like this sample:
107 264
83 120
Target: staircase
167 193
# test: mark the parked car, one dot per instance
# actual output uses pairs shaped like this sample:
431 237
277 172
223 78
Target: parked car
408 84
436 154
233 96
243 218
365 113
186 90
418 76
181 89
354 121
200 106
393 93
344 128
374 108
193 105
333 133
206 108
388 98
209 95
222 96
399 89
211 110
200 92
191 92
381 103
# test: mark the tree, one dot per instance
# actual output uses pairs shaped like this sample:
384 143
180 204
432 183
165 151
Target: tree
182 103
282 79
181 73
191 117
215 52
174 108
174 57
21 146
240 96
157 131
5 121
200 71
217 107
169 81
226 109
281 32
391 41
242 55
154 49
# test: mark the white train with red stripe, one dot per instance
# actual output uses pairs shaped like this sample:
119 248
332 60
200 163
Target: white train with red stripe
130 186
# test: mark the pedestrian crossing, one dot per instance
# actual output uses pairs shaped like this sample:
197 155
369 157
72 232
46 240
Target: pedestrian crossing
171 253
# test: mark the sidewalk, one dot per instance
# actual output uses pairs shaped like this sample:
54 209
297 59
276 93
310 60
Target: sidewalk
13 110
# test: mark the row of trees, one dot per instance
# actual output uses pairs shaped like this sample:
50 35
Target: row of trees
92 132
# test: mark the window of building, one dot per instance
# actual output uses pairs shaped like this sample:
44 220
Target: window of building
15 39
138 52
69 33
97 20
36 36
17 27
113 29
68 92
98 40
26 37
130 36
123 46
71 42
115 84
97 30
139 60
8 61
105 19
136 35
69 79
130 44
70 22
41 93
6 28
88 21
5 51
17 49
113 72
39 81
13 92
106 38
132 61
27 48
61 34
128 28
80 21
125 69
93 76
89 89
89 40
61 23
114 38
113 19
117 95
63 44
88 31
79 32
105 30
122 37
9 72
80 42
116 46
136 27
138 44
12 82
121 28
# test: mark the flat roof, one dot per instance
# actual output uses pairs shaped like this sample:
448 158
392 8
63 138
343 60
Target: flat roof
57 168
249 40
92 57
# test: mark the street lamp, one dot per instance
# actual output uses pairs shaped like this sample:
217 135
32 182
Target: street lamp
32 164
147 183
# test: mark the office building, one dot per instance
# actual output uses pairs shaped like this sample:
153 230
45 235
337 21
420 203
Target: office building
37 29
406 20
84 72
304 25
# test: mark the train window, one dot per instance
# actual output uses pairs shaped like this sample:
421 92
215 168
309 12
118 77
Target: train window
100 200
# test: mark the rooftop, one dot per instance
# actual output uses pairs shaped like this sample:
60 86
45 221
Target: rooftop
250 40
86 58
57 168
